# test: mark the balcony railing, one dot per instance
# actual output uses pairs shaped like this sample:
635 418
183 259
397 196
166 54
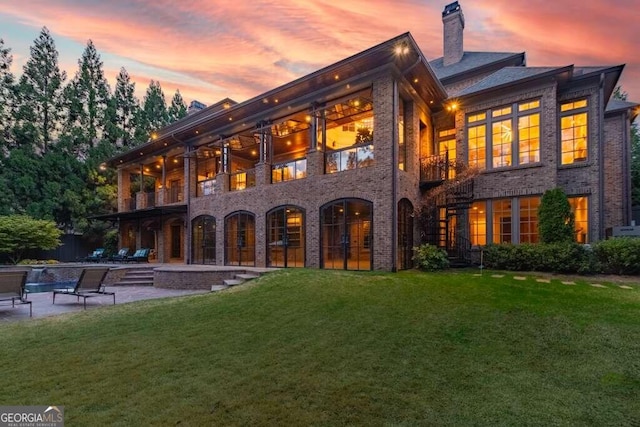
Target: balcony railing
242 179
150 199
437 168
175 195
206 187
130 204
295 169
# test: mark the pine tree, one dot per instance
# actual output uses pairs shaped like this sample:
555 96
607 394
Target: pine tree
555 219
86 100
178 108
155 108
39 97
126 108
7 99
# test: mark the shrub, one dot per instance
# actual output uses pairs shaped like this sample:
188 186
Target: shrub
430 258
552 257
620 255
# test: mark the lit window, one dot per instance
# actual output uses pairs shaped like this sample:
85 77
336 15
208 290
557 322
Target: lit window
529 219
501 112
502 138
580 209
477 117
447 147
524 106
477 146
502 221
529 139
478 224
573 145
567 106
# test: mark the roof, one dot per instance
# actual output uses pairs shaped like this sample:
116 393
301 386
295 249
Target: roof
337 79
471 61
510 75
618 106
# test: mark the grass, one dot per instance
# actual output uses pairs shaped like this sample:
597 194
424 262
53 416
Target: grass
311 347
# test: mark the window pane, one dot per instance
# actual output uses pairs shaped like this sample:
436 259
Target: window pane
574 138
477 141
529 139
478 223
502 221
529 219
502 138
580 209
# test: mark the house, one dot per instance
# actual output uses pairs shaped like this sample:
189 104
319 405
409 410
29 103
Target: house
351 166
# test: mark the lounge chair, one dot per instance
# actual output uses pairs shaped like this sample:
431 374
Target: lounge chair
141 255
90 284
121 256
97 256
12 288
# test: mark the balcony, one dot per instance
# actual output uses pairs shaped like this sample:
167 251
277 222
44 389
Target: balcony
434 170
206 187
349 158
295 169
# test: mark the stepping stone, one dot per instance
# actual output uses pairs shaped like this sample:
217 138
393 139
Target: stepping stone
519 278
597 285
497 276
625 287
477 274
568 283
543 280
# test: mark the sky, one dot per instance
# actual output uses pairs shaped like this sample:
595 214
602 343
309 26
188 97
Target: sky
212 49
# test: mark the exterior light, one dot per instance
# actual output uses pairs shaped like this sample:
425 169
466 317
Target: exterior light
230 119
154 135
275 100
102 167
336 77
226 105
265 101
307 118
197 132
253 152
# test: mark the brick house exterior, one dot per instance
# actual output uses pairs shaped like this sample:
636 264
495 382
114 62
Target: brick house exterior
334 170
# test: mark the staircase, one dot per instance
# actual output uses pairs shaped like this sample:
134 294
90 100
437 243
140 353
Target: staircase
139 276
238 279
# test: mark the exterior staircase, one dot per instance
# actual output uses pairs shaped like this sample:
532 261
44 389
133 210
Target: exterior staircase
139 276
238 279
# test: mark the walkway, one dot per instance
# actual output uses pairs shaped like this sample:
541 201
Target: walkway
43 306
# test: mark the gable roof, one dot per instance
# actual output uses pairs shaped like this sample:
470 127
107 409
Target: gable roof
618 106
474 61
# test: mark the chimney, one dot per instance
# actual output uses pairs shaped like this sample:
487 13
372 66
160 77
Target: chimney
453 22
195 106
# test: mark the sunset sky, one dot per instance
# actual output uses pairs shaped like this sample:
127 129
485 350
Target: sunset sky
211 49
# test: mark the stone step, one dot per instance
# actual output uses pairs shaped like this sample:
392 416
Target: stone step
247 276
217 288
133 283
233 282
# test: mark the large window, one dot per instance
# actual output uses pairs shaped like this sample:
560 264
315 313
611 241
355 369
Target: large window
502 221
478 223
349 133
240 239
447 150
295 169
580 209
347 235
503 146
402 143
529 219
204 240
285 237
573 129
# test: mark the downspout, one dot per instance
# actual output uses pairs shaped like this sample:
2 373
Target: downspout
394 179
601 158
626 169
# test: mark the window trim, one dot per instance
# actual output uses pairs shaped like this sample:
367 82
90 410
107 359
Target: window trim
568 113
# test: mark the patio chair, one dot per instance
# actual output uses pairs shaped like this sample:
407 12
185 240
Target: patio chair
12 288
97 256
141 255
90 284
121 256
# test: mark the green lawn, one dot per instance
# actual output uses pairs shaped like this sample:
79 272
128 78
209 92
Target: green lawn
301 347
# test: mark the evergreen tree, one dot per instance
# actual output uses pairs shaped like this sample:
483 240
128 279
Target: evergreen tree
178 108
125 111
7 100
555 219
86 101
39 98
155 109
635 152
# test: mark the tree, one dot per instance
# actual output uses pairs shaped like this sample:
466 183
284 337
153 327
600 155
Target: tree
86 100
154 108
178 108
7 99
125 109
39 98
555 219
19 233
618 93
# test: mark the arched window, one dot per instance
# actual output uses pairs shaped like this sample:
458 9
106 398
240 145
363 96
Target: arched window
240 239
285 237
203 249
347 234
